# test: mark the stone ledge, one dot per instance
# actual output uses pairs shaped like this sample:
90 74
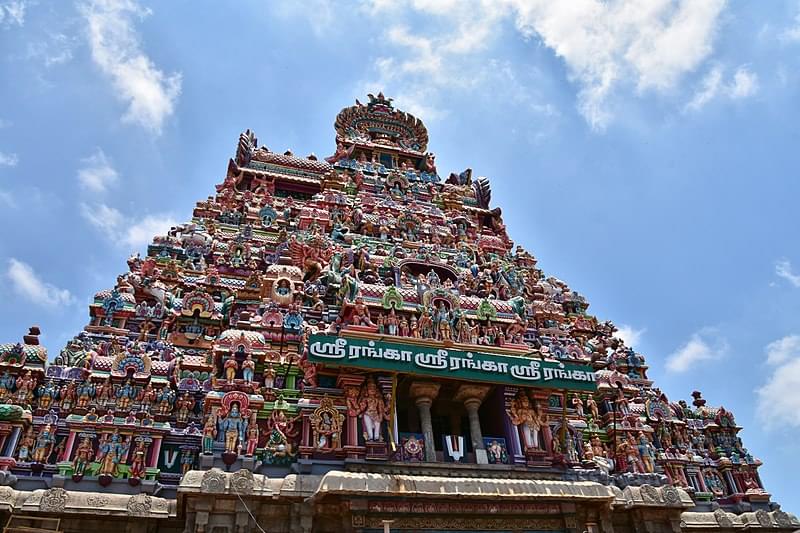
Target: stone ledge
59 501
755 520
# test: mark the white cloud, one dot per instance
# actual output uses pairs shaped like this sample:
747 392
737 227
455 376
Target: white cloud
150 94
704 345
126 231
97 173
783 269
142 232
630 335
56 50
792 34
5 123
28 284
12 13
709 88
607 45
778 401
743 84
8 160
783 349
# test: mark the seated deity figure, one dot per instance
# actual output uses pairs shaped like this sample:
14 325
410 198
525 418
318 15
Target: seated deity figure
529 422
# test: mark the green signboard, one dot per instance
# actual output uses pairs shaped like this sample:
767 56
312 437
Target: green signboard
452 364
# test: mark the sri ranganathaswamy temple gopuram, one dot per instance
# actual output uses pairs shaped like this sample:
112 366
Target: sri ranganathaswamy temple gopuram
355 344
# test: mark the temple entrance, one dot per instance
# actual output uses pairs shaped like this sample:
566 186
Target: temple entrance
444 421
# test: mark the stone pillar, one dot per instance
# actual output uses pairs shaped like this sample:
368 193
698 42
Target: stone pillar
472 396
424 392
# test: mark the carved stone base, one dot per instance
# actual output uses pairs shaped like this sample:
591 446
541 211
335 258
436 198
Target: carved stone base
537 458
377 450
355 452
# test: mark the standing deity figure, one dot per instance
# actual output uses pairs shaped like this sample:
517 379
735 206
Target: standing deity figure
443 328
231 366
392 323
209 434
43 445
523 415
6 386
187 461
252 438
137 468
269 376
185 405
248 369
646 453
577 403
632 456
374 412
104 393
592 406
125 395
26 446
86 391
147 397
25 387
233 429
83 456
113 450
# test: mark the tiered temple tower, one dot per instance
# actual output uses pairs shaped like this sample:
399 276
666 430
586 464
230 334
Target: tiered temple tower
351 345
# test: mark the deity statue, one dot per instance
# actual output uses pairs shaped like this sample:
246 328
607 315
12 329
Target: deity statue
125 395
279 448
269 376
392 323
577 403
529 422
104 393
233 428
68 396
592 406
373 411
86 391
326 423
187 461
138 461
231 366
26 384
47 393
185 406
147 397
248 369
84 454
166 400
26 446
360 314
443 327
647 453
113 449
43 445
6 386
252 437
209 435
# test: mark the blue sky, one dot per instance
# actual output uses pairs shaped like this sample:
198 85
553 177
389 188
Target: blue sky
644 150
